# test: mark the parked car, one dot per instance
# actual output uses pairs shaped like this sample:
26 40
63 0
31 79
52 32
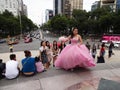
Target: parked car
28 40
115 45
2 41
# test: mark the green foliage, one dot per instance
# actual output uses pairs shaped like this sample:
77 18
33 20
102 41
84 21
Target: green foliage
10 25
99 21
59 23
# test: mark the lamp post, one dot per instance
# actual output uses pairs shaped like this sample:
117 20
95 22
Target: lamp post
19 14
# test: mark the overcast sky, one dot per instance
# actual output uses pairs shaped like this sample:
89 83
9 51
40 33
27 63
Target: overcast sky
36 8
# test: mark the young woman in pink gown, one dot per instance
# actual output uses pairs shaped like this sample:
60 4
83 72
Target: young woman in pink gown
75 54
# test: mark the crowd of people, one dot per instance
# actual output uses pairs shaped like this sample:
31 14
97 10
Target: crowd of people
32 65
75 54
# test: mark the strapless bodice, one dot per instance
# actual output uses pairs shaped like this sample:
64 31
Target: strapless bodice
74 41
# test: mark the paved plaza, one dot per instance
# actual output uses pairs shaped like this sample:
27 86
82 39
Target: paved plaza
59 79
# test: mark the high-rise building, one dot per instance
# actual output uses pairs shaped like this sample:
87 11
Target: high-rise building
14 6
113 4
76 4
25 10
95 5
66 7
48 15
118 5
58 6
110 3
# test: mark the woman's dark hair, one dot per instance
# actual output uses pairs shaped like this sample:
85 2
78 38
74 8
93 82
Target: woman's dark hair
61 46
37 59
1 60
48 45
103 45
72 35
41 43
55 46
12 56
27 53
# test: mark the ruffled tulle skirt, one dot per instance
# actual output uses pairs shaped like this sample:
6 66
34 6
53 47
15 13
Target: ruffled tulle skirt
74 55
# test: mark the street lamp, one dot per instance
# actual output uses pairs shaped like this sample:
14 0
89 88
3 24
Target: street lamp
19 14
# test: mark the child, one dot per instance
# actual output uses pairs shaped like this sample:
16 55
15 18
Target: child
39 65
11 48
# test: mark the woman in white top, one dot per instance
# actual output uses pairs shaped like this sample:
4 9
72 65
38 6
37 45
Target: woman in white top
43 54
49 52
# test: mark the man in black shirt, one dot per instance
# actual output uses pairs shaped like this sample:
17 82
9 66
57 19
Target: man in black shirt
2 69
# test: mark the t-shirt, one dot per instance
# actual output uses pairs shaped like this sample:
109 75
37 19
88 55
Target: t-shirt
39 66
11 69
28 65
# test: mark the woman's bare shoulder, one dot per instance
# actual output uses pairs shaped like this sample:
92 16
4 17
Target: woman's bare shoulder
79 35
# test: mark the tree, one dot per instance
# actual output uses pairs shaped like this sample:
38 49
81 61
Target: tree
99 21
10 25
80 17
59 24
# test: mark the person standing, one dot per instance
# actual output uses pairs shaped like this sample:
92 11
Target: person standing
94 51
102 50
49 52
110 49
88 46
101 59
55 51
11 48
12 69
75 54
43 54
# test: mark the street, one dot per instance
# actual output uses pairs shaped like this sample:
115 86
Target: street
21 46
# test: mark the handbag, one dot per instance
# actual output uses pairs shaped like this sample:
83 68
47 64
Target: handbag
100 59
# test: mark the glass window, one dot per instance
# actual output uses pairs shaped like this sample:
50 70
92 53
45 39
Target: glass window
10 4
6 2
13 5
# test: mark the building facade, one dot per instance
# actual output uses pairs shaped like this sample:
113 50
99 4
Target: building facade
48 15
95 5
14 6
66 7
25 10
113 4
118 5
110 3
58 7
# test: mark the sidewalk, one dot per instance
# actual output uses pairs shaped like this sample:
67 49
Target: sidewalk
80 79
20 56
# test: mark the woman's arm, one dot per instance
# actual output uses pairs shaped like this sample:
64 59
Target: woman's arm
80 38
40 55
67 39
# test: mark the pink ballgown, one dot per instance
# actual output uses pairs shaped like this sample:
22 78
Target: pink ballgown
74 55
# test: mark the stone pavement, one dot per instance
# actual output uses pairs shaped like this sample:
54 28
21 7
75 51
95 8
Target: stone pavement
58 79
